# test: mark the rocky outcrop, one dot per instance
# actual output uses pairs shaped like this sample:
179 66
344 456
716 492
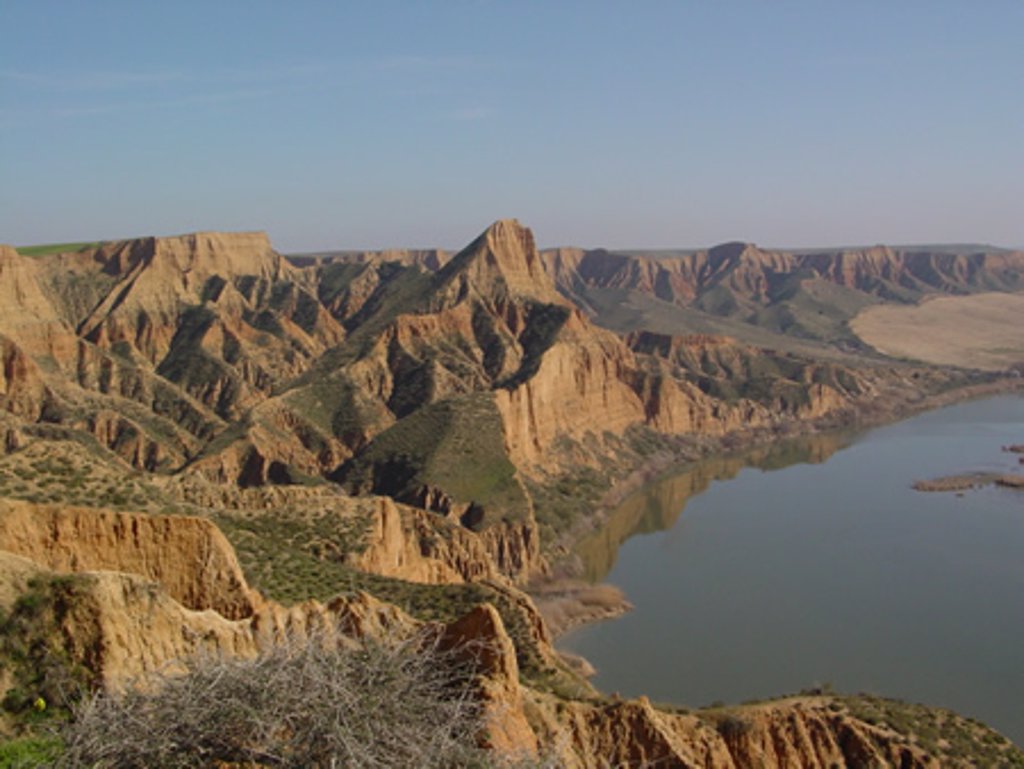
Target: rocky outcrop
195 330
788 385
806 732
419 546
428 258
411 547
29 317
481 637
23 392
188 556
122 626
157 277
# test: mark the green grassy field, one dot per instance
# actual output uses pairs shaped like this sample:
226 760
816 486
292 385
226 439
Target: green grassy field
45 249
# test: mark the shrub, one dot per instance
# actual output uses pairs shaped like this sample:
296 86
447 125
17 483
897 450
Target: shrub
302 704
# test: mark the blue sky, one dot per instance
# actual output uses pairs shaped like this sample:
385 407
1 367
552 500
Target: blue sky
655 124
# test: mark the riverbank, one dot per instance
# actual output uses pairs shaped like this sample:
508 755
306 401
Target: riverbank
799 572
568 601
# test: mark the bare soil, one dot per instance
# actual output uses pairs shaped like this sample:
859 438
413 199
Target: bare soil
980 331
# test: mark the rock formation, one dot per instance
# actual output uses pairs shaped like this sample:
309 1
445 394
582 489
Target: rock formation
405 411
123 625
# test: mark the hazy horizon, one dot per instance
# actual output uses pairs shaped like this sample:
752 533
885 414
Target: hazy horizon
364 126
453 248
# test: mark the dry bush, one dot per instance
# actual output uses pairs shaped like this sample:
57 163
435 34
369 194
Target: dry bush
304 704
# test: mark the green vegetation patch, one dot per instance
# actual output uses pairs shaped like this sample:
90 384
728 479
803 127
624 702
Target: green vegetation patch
67 472
942 733
30 752
292 556
45 249
456 446
45 679
564 499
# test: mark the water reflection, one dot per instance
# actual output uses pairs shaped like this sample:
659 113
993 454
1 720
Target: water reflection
658 505
830 568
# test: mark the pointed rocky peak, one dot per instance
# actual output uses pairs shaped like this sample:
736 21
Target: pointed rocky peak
504 257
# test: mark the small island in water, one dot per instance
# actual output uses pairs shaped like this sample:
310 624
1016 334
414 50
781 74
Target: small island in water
975 480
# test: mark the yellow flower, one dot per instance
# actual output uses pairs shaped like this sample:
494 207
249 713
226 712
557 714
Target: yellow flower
39 704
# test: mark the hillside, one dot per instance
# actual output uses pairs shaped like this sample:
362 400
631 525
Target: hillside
435 430
66 608
789 297
976 331
459 384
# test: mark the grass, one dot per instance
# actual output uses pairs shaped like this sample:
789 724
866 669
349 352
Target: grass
45 249
941 733
292 560
29 752
67 472
455 445
45 680
293 556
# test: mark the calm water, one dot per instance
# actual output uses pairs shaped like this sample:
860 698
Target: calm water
815 562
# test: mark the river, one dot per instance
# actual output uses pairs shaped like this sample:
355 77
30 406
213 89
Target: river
813 562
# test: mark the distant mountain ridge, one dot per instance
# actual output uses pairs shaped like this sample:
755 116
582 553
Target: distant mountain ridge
810 295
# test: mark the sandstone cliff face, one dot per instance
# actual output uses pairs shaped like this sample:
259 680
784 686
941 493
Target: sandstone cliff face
409 547
188 556
753 273
428 258
481 635
808 732
195 330
22 390
209 311
123 626
788 385
239 366
158 276
29 317
420 546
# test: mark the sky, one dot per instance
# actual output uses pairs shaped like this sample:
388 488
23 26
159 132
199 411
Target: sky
411 124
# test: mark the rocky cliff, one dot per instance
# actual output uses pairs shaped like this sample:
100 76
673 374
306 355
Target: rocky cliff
449 384
394 422
755 274
123 625
780 299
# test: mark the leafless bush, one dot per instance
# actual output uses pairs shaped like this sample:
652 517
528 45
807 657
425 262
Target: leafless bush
307 704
